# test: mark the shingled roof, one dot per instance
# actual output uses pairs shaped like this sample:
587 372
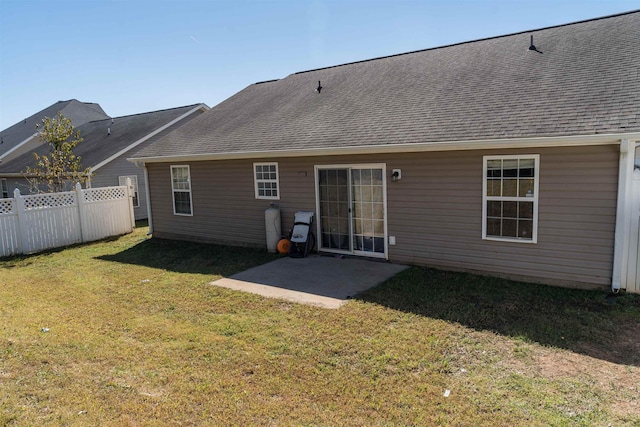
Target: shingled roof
104 138
78 112
581 79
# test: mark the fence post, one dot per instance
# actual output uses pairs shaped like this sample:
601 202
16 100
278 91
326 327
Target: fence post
81 211
132 216
22 226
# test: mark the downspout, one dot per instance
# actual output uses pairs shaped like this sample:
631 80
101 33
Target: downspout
148 198
623 219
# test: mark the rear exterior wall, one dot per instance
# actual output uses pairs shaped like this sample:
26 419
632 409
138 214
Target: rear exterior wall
434 211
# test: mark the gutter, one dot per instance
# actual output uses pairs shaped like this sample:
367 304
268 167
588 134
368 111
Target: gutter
486 144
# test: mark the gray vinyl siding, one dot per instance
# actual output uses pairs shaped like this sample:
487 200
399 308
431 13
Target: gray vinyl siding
107 176
20 184
434 211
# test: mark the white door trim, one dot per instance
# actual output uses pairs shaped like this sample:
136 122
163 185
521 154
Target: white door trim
349 167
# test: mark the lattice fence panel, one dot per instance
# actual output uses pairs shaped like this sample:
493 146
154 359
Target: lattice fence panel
102 194
53 200
7 206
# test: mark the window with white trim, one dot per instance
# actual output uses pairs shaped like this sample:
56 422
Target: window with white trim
181 188
122 180
266 180
510 198
4 189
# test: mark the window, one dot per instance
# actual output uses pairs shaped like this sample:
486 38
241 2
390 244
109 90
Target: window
181 186
637 160
122 180
4 189
510 199
266 179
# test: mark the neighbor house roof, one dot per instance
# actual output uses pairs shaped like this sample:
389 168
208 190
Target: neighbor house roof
78 112
104 139
581 79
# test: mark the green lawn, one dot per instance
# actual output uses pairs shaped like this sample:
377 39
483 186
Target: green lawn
136 336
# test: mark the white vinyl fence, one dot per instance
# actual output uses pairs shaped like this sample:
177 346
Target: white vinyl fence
33 223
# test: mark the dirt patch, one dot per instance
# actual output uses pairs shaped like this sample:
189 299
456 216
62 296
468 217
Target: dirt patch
620 382
623 348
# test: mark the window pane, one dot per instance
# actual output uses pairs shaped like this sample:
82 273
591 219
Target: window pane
493 187
182 202
493 227
526 187
637 163
510 209
525 210
378 228
366 176
527 167
510 168
376 176
355 177
494 209
525 229
510 188
366 194
494 168
509 228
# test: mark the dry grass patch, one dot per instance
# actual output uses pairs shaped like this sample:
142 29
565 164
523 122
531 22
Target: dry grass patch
138 337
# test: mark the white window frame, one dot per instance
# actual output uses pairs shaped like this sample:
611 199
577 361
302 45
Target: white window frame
122 180
256 181
4 189
534 199
182 190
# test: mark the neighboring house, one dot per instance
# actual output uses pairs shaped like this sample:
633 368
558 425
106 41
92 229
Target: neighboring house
23 137
511 156
106 145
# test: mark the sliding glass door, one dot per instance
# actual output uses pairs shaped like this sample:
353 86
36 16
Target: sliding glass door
351 206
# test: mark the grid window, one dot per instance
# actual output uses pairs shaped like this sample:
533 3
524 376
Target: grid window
181 187
122 180
510 199
266 180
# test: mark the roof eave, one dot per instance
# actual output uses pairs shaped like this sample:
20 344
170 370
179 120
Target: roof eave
487 144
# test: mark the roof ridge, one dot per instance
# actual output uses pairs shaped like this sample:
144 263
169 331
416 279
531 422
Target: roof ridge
150 112
468 42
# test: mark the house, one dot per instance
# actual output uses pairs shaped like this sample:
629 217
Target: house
106 144
511 156
22 137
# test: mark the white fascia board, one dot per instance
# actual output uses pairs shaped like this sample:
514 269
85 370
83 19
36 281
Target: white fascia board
18 146
146 137
488 144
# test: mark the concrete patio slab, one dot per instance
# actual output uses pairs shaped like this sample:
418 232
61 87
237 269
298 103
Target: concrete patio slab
324 281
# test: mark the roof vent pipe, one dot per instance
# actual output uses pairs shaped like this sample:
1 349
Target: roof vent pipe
108 131
319 88
532 46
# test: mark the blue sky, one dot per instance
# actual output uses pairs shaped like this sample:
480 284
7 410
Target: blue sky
134 56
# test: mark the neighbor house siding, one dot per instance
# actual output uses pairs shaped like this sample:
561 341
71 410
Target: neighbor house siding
107 176
20 184
434 211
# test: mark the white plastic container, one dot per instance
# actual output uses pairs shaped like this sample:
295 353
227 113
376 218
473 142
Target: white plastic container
273 225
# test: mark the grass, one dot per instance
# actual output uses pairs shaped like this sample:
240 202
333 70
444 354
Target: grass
137 336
